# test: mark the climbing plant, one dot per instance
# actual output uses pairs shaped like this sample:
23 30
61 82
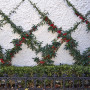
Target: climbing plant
48 51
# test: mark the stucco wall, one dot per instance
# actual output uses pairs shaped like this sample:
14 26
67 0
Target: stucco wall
59 12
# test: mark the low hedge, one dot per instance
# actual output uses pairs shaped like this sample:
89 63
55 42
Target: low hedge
49 70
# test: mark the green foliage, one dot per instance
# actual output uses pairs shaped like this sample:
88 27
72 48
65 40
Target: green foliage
87 14
88 26
1 54
49 70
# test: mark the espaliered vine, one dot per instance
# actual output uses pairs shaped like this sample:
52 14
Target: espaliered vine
48 51
27 38
78 14
71 44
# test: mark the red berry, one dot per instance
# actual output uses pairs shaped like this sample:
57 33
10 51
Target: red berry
67 40
58 37
89 56
82 18
64 34
2 60
46 18
27 35
53 47
42 62
52 25
59 32
87 22
23 38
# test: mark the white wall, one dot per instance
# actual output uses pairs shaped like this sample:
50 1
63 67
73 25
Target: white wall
59 12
